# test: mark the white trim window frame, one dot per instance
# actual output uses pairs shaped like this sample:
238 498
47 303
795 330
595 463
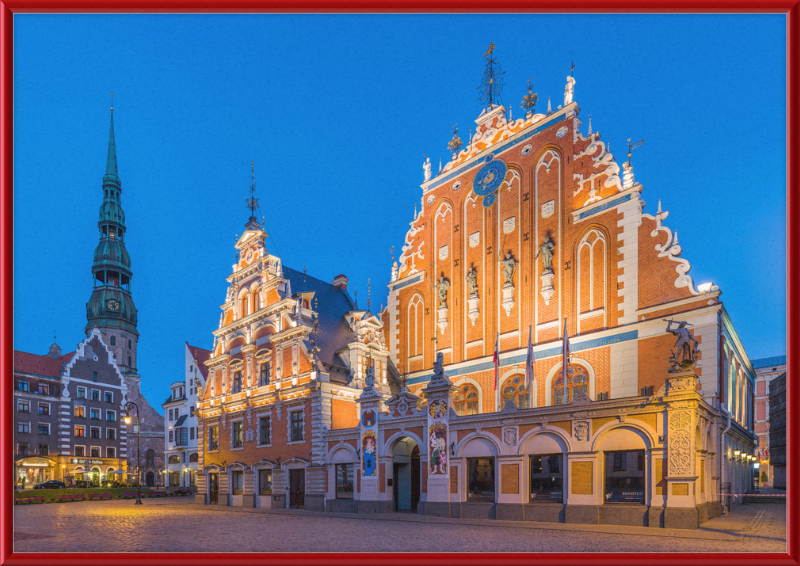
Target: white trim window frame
289 428
46 426
112 453
81 394
113 432
91 452
111 413
75 450
267 416
240 422
98 395
39 407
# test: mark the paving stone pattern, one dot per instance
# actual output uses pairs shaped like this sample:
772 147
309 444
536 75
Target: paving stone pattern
178 525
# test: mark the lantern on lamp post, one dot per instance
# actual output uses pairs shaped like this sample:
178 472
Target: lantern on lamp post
127 418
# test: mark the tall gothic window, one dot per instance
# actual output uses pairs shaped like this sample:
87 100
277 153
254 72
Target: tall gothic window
514 390
415 320
577 380
465 401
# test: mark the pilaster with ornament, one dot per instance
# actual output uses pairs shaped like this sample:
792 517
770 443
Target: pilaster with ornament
682 401
439 397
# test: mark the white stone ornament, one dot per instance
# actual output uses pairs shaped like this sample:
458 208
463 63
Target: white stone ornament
456 185
526 150
443 252
474 239
509 224
562 131
430 199
548 208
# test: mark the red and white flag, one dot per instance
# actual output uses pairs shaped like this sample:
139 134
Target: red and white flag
529 361
496 361
565 362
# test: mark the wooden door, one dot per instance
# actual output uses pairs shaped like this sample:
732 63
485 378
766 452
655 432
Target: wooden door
213 488
297 489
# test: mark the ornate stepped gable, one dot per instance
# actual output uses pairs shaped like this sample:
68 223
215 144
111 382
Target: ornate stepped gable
531 222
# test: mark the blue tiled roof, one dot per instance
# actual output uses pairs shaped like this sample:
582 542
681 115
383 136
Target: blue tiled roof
774 361
332 304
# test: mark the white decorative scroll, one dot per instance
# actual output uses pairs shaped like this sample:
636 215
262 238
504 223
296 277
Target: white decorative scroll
509 224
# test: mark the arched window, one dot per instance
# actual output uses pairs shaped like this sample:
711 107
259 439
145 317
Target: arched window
255 298
514 390
577 380
113 340
150 457
416 309
465 401
129 344
245 299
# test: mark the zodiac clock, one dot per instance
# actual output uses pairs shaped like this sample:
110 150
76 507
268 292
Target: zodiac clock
488 180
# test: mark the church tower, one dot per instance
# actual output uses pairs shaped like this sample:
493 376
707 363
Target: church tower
110 307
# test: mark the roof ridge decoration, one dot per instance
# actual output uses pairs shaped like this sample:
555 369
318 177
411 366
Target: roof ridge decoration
604 159
672 250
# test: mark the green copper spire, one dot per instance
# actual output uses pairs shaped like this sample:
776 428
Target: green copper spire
111 304
111 162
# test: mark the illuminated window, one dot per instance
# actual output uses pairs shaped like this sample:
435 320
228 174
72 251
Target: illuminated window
465 401
80 430
514 390
213 437
265 482
238 437
577 380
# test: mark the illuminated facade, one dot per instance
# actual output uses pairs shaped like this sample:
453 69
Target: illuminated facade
531 230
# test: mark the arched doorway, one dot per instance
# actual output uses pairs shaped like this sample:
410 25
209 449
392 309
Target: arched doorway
150 479
95 476
405 475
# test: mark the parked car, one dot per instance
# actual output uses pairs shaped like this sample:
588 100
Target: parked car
52 484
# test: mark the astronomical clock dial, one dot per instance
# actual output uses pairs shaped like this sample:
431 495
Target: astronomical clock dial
113 305
488 180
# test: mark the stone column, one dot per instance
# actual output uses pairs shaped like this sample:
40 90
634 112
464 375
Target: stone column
439 395
224 488
682 400
249 373
369 410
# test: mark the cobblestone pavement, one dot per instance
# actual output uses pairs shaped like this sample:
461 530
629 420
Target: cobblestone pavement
178 525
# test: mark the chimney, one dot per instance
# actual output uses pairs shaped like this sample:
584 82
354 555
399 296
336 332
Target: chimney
341 282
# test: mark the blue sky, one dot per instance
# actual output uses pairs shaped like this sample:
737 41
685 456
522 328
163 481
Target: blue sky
336 111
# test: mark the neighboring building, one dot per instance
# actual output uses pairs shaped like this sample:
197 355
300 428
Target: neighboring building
777 430
68 412
180 420
528 229
88 389
766 370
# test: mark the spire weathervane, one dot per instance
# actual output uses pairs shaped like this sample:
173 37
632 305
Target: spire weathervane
571 69
632 146
369 298
492 81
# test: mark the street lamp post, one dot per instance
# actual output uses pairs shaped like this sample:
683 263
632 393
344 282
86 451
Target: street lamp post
130 405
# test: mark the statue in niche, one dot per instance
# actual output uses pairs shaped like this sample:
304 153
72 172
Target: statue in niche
370 379
546 251
426 167
685 355
438 365
509 266
441 291
472 282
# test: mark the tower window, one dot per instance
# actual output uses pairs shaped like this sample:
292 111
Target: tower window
129 344
129 361
113 340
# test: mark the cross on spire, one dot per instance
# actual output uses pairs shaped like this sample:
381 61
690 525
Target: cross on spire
252 200
492 80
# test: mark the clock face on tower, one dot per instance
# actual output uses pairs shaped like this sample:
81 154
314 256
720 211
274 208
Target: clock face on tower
113 305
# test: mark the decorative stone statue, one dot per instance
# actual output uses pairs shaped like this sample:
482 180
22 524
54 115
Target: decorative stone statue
509 266
685 355
546 251
441 291
472 282
438 365
370 379
426 167
569 90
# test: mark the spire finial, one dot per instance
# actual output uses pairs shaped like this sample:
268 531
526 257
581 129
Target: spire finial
369 298
590 124
112 100
304 272
111 160
631 147
529 100
492 80
392 253
455 143
571 69
356 293
252 200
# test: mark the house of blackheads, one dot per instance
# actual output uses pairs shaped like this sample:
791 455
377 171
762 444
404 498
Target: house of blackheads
544 355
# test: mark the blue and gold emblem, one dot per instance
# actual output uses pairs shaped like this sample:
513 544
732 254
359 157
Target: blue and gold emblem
488 180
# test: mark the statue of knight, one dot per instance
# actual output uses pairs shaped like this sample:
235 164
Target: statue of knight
685 355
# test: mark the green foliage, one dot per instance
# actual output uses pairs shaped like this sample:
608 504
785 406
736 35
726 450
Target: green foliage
51 495
763 477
